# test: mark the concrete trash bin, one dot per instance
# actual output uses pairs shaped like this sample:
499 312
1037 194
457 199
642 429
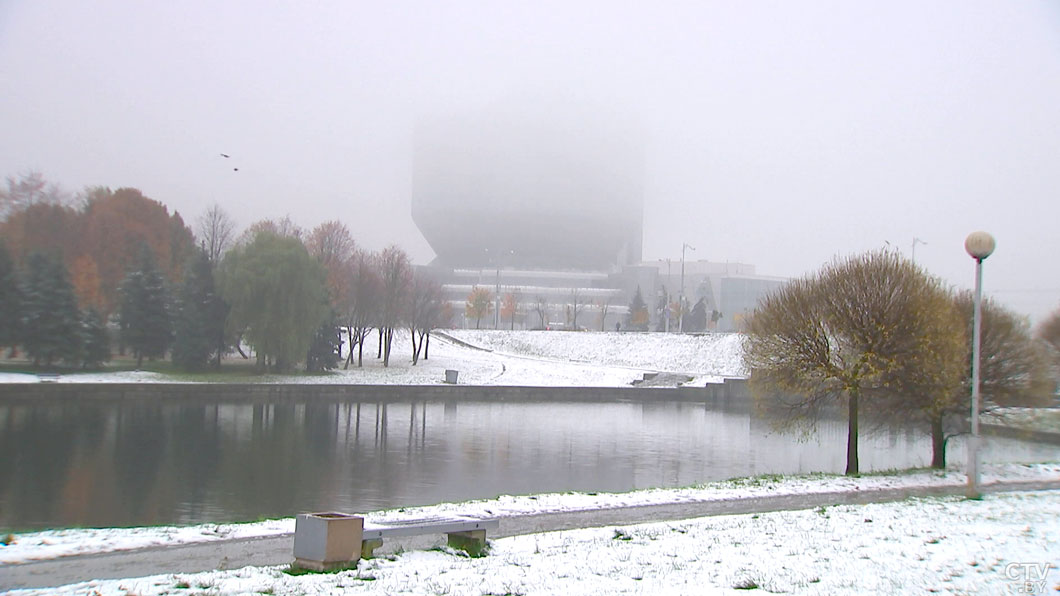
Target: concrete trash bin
451 375
327 541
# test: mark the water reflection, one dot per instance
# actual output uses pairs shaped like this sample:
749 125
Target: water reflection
118 464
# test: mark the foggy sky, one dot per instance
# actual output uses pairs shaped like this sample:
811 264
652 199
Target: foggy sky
777 133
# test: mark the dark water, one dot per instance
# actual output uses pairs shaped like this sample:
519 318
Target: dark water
113 464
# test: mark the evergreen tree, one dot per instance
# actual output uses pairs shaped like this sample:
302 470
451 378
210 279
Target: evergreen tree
143 312
638 312
50 320
200 316
95 343
696 320
10 298
325 351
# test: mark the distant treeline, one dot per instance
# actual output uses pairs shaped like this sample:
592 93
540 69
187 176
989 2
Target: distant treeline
73 267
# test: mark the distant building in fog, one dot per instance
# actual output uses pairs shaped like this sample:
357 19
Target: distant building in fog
543 202
550 186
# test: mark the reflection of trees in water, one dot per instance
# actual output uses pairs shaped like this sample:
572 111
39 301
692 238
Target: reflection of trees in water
141 462
36 452
140 442
195 453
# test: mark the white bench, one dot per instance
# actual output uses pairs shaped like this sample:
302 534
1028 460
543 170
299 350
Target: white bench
464 533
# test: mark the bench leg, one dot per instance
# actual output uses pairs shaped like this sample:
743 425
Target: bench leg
472 542
368 547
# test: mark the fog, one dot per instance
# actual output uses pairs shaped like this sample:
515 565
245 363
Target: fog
775 133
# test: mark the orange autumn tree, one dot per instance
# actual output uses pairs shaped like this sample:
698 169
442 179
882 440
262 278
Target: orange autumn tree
116 225
509 307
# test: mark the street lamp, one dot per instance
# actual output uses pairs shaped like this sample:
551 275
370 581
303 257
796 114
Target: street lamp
979 245
915 240
681 303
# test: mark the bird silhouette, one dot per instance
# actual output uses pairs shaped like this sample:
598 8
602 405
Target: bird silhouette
235 169
225 155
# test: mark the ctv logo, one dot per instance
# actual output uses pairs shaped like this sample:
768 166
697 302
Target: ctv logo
1029 578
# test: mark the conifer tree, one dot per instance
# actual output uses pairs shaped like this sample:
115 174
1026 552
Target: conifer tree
10 298
144 311
325 349
638 312
50 320
95 343
200 316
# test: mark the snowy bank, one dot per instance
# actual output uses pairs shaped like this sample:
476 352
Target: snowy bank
57 543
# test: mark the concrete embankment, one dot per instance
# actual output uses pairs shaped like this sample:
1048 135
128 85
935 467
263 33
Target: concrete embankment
264 393
277 550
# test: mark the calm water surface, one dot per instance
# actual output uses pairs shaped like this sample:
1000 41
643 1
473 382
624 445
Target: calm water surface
112 464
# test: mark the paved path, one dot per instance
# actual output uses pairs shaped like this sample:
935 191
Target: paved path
277 550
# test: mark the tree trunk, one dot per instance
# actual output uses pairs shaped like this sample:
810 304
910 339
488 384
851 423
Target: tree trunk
380 353
427 345
415 348
360 349
388 336
938 443
349 357
852 434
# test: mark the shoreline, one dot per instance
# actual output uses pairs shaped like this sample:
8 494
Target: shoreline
265 545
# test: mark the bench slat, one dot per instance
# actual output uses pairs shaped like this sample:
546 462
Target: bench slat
416 527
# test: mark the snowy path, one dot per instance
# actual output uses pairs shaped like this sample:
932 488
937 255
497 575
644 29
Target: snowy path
276 550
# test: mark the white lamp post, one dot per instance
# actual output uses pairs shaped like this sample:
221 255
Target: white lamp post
681 303
979 245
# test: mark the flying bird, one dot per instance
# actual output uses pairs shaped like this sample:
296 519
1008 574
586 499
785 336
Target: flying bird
235 169
225 155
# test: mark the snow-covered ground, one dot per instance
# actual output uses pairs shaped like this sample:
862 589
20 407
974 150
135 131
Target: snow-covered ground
1005 543
521 358
56 543
1040 419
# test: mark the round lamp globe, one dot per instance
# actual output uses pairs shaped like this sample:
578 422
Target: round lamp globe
979 245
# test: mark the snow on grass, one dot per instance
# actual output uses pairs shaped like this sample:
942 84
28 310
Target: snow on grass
701 355
1041 419
56 543
946 544
476 367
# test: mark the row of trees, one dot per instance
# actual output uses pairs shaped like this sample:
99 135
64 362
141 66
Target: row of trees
287 294
877 335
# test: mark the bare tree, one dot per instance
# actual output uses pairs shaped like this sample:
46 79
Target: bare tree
362 312
333 246
1013 371
425 309
861 332
216 230
281 227
575 306
1049 332
605 305
396 273
331 243
541 308
26 189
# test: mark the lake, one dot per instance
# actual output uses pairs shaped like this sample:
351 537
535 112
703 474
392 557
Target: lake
100 463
